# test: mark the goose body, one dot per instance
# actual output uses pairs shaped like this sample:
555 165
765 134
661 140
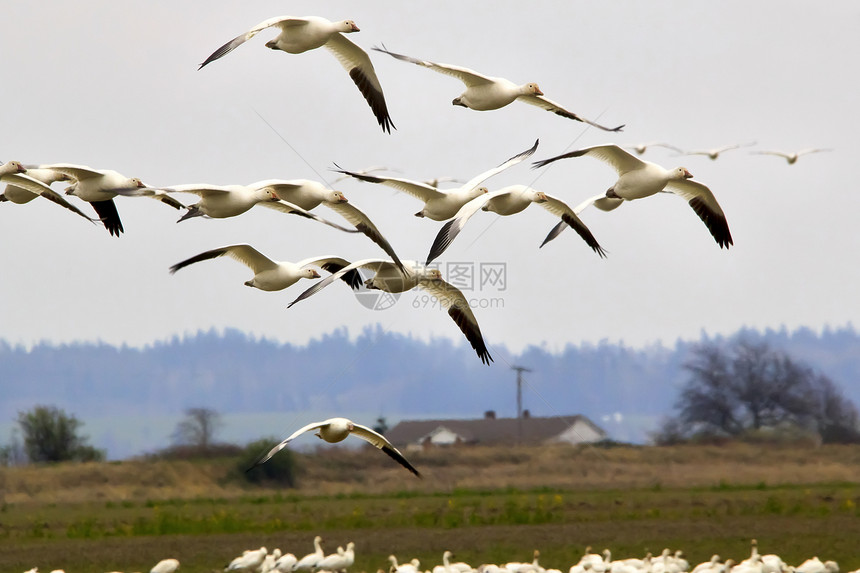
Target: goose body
510 201
23 187
300 34
638 179
272 275
339 561
165 566
309 561
485 93
336 430
440 205
790 156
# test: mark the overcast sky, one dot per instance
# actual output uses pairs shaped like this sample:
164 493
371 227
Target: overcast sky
114 85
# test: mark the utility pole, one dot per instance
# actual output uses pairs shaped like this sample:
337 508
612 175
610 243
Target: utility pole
520 370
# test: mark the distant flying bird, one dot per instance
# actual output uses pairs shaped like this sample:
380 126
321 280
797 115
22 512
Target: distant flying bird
484 93
789 156
642 147
98 187
299 35
271 275
389 278
309 194
24 185
442 204
510 201
715 152
638 179
335 430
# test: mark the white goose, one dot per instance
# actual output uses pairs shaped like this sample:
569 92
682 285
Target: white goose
224 201
165 566
640 148
815 565
510 201
285 563
300 34
309 561
440 205
448 567
518 567
249 561
638 179
389 278
98 187
484 93
336 430
309 194
272 275
790 156
340 561
411 567
708 566
715 152
21 187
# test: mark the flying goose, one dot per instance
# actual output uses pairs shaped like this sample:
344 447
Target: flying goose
509 201
24 186
715 152
789 156
439 204
389 278
309 194
300 34
271 275
484 93
98 187
336 430
638 179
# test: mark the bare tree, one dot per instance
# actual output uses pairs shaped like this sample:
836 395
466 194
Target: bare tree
750 386
197 429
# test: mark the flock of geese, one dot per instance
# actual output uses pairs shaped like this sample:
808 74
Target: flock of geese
261 561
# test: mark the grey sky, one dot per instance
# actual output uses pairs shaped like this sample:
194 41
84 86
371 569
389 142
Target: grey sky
115 85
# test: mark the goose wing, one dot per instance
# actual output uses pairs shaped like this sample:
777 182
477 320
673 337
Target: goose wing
286 207
417 189
35 186
703 202
622 160
282 445
242 38
333 264
559 208
379 441
245 254
373 264
478 179
602 202
452 228
452 299
364 225
549 105
469 77
357 63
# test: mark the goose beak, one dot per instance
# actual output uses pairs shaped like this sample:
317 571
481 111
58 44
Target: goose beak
21 169
687 174
537 91
355 28
315 275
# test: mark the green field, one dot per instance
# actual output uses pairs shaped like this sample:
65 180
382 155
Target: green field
796 519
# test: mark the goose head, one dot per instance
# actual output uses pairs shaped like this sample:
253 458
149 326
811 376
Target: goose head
347 26
531 89
539 197
310 274
266 194
680 173
336 197
12 167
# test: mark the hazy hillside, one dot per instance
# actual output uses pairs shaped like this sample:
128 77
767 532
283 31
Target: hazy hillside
130 398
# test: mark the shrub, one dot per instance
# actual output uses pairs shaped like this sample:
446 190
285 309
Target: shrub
280 470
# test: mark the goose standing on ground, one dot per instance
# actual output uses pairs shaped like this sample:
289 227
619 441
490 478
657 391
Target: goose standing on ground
389 278
533 567
336 430
309 561
285 563
98 188
340 561
485 93
309 194
448 567
440 205
24 185
272 275
509 201
411 567
715 152
300 34
248 561
638 179
165 566
790 157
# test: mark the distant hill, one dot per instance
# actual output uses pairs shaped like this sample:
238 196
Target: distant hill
131 398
